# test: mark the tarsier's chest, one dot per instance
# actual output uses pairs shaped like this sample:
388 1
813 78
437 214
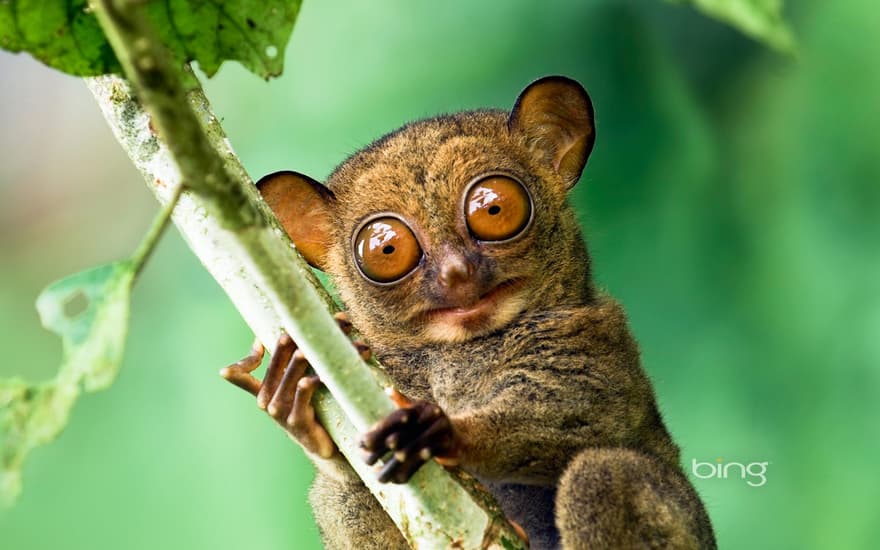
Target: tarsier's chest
467 375
461 375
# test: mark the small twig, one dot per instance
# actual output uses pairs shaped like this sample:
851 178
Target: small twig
151 239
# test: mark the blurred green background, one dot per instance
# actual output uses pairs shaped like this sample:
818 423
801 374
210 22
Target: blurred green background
731 203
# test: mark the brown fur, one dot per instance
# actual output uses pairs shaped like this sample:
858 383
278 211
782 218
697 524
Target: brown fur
549 400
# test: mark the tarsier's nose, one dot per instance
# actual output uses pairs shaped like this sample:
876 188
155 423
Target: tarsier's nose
454 270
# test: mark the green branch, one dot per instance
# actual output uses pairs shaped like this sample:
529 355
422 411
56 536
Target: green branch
161 86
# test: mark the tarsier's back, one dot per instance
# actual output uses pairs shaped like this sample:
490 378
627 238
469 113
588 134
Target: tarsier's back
452 243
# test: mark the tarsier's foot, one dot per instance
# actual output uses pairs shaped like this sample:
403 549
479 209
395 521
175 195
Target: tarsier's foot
286 391
411 435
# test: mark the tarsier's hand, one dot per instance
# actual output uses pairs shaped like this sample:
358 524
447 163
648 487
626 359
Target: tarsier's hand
286 391
411 435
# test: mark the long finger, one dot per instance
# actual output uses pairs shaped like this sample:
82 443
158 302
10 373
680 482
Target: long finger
374 440
283 352
396 471
243 380
435 440
282 401
304 414
238 373
397 440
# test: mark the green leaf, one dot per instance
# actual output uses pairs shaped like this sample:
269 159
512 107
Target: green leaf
64 34
89 310
760 19
61 34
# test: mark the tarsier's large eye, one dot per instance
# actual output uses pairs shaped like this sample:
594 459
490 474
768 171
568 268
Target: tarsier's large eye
386 250
497 208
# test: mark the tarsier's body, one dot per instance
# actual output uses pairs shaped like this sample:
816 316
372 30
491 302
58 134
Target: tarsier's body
489 311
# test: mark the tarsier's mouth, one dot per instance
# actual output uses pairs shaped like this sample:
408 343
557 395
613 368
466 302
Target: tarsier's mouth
487 307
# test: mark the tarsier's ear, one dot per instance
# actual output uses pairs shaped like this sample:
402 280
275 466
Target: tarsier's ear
304 208
556 116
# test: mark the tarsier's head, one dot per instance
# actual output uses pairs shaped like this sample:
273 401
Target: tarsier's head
449 228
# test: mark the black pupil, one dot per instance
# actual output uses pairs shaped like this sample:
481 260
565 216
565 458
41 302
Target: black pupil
388 249
494 209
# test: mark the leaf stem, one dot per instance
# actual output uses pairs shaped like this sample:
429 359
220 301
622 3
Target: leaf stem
151 239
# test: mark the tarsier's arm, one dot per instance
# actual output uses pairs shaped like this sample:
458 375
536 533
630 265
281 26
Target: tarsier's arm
286 392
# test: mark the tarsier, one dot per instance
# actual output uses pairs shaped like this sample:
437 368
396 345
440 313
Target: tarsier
452 243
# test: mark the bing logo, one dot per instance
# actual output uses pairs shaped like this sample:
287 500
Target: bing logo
754 473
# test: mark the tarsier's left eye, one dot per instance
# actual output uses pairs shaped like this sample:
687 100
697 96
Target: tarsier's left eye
386 250
497 208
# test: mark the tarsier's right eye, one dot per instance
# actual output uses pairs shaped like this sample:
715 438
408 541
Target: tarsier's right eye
386 250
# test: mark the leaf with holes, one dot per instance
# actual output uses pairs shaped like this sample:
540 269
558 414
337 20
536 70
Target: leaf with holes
64 34
89 310
760 19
